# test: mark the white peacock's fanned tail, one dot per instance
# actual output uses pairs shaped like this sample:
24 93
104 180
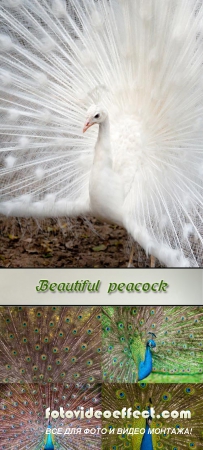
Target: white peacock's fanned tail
144 62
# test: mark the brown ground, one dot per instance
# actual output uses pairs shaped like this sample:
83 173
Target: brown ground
65 243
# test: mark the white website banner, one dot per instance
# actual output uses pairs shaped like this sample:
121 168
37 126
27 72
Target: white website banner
101 287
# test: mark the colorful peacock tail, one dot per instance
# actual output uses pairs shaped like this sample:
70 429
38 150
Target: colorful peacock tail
165 341
183 398
23 419
50 344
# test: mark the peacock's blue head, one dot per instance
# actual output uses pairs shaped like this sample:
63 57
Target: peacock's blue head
151 343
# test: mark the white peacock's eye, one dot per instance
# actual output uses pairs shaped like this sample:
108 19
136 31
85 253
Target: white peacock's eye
97 116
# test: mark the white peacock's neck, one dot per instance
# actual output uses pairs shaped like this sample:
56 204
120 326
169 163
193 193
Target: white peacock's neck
104 131
103 144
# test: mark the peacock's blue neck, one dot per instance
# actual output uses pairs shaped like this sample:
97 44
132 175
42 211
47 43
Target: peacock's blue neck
145 367
49 442
147 440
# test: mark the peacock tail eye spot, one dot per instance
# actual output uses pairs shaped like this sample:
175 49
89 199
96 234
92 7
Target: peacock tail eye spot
24 340
37 347
120 394
49 380
153 325
8 320
152 312
39 314
51 324
35 368
115 360
67 320
46 340
11 336
89 362
75 331
55 350
8 366
142 385
61 334
43 357
185 346
120 325
49 368
166 319
66 349
83 346
91 379
53 308
41 376
28 359
189 390
134 311
166 397
80 317
62 374
108 329
110 347
74 359
99 317
76 375
122 339
36 330
191 335
130 327
89 331
58 362
98 350
20 308
14 352
141 322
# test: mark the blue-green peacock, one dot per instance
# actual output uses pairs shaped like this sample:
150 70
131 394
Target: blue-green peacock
48 344
159 344
23 423
161 397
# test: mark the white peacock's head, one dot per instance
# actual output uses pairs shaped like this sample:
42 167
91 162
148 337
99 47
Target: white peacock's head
96 114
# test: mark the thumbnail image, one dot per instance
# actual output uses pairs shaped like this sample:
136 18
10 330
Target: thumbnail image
50 344
152 416
50 416
159 344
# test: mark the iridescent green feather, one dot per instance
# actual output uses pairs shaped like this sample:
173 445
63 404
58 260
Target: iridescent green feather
179 340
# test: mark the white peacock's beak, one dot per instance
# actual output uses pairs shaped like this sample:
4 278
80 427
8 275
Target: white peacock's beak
86 126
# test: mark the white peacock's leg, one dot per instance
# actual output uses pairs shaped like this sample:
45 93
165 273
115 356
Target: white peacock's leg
152 261
130 263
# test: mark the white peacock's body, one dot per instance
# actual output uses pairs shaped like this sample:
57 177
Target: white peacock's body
143 63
